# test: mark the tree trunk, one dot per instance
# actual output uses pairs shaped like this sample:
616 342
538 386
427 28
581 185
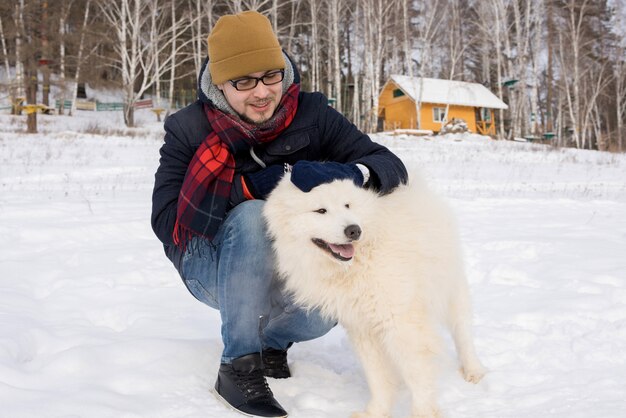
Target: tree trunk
295 7
408 58
335 13
550 74
79 58
19 63
534 53
170 103
314 43
620 102
621 112
197 35
274 15
376 15
155 52
62 20
499 18
576 84
43 61
31 93
129 115
7 66
356 93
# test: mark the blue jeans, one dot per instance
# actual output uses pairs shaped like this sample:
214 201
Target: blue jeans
235 274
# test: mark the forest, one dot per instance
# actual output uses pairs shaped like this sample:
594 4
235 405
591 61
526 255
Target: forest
560 65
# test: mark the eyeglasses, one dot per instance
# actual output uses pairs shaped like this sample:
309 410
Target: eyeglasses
248 83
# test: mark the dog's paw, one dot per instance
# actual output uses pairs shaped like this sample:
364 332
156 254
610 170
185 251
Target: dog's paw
362 415
428 409
434 413
473 374
369 415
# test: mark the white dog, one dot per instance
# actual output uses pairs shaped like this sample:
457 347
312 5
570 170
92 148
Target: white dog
388 268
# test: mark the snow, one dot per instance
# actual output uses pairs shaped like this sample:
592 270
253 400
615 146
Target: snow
94 321
461 93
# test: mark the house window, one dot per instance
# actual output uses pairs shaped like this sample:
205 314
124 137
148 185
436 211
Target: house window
397 93
439 114
485 114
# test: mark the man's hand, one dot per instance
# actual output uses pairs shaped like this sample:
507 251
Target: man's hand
262 182
309 174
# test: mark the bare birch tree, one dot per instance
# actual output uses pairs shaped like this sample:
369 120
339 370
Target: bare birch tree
619 71
293 25
571 83
173 50
5 53
140 63
356 78
429 17
500 26
127 19
456 45
80 56
375 21
335 9
407 48
620 97
63 22
314 45
20 90
168 49
202 22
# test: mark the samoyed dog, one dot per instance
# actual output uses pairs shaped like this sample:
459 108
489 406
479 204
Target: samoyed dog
389 269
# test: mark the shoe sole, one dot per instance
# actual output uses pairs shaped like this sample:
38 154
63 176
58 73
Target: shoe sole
281 376
225 402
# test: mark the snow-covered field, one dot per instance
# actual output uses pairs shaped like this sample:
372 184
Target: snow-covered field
95 323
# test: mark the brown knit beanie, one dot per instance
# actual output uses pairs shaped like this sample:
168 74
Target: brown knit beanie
242 44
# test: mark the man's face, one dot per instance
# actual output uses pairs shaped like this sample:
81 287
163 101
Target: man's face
256 105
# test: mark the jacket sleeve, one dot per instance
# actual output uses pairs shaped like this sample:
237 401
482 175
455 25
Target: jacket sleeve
343 142
176 153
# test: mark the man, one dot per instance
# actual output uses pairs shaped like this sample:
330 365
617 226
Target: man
222 156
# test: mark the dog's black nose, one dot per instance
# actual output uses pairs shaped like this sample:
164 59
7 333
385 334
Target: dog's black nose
353 232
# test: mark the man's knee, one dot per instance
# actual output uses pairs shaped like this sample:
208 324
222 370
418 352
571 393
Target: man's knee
321 325
244 243
247 218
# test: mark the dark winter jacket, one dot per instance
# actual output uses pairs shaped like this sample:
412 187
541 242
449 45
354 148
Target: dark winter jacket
317 133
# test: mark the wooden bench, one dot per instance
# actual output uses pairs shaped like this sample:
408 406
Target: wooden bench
85 105
67 104
39 107
157 111
143 104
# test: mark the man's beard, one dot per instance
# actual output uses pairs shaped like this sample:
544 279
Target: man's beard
254 122
264 119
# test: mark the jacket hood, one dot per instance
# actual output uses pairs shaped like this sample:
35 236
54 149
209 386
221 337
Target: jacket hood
209 93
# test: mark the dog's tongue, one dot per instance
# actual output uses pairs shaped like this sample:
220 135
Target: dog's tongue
344 250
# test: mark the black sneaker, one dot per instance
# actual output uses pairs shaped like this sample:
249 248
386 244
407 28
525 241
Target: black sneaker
243 386
275 363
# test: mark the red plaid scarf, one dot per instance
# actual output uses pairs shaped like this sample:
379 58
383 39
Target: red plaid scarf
203 198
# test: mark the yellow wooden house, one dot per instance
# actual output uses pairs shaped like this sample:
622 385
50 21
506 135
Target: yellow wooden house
440 101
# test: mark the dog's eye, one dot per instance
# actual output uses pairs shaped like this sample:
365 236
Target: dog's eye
321 211
347 205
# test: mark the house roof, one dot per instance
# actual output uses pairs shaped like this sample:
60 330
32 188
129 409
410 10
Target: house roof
459 93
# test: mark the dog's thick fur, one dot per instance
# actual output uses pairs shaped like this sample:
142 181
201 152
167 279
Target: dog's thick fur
391 275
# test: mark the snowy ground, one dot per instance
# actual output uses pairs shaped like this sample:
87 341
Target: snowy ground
94 322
